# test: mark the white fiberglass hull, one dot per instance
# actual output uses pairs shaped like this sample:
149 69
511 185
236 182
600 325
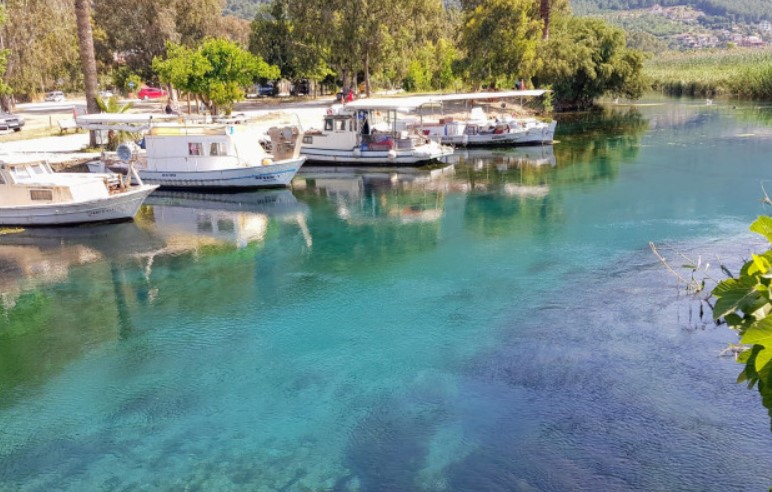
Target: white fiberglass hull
529 136
120 206
373 157
268 176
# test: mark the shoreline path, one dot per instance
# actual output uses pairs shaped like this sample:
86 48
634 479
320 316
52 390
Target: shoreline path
66 149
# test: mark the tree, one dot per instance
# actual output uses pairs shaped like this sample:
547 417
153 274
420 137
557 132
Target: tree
42 44
501 39
217 71
86 44
586 58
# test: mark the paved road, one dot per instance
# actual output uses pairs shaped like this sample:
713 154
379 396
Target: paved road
65 148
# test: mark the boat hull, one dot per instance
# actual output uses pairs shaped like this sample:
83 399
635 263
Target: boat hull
370 158
273 175
122 206
530 136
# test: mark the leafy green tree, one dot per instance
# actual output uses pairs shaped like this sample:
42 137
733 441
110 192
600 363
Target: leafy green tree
586 58
217 71
279 36
501 39
40 36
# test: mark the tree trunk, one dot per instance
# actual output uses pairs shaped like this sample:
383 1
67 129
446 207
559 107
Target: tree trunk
544 12
367 72
87 60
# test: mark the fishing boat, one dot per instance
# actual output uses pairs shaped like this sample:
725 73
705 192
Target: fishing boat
370 132
31 193
474 126
179 154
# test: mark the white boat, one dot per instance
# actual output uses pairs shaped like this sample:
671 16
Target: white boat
370 132
31 193
475 127
204 155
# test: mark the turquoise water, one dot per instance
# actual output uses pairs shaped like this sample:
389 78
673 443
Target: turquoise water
497 323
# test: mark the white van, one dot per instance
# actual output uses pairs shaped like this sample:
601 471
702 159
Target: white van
55 96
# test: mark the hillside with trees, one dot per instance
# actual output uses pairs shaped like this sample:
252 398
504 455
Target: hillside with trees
749 11
416 45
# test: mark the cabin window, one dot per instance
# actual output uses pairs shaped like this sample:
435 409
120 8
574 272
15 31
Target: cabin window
328 124
217 148
19 173
195 148
38 169
308 139
342 125
46 195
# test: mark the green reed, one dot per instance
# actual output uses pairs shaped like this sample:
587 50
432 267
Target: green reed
745 73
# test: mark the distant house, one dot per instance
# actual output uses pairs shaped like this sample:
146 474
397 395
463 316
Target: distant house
765 26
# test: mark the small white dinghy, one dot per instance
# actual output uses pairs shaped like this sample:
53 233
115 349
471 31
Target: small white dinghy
32 194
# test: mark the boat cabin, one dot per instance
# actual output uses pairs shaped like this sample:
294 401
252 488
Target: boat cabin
202 148
364 129
35 183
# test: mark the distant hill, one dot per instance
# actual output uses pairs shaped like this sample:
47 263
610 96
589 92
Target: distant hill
748 11
246 9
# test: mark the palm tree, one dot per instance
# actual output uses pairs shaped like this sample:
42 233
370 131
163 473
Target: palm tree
87 60
544 13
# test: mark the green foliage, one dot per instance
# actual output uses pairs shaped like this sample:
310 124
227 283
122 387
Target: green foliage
741 72
745 303
586 58
501 39
126 80
218 70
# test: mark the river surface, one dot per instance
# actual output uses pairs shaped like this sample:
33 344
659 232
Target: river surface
498 323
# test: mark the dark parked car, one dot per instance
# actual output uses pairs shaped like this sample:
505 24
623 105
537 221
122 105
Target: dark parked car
10 121
266 90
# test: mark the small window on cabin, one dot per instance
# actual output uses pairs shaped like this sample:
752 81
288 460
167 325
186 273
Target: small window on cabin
217 148
328 124
308 139
342 125
38 169
44 195
195 148
20 172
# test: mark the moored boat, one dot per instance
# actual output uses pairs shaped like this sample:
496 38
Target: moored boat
475 127
370 132
210 155
31 193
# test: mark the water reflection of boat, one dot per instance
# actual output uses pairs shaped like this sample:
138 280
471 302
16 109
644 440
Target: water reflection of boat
369 195
533 155
238 218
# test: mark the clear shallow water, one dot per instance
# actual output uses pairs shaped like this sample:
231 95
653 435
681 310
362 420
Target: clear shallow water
497 325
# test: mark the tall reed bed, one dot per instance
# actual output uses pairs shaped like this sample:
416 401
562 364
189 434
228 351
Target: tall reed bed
745 73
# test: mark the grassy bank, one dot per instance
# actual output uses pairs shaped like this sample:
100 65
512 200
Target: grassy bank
744 73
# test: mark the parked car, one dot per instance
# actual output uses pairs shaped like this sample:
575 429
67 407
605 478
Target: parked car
301 88
265 90
105 94
55 96
146 93
10 121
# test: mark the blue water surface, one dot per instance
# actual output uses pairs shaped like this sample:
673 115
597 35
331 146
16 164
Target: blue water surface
497 322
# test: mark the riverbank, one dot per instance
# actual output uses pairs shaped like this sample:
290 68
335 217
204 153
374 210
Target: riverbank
742 73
